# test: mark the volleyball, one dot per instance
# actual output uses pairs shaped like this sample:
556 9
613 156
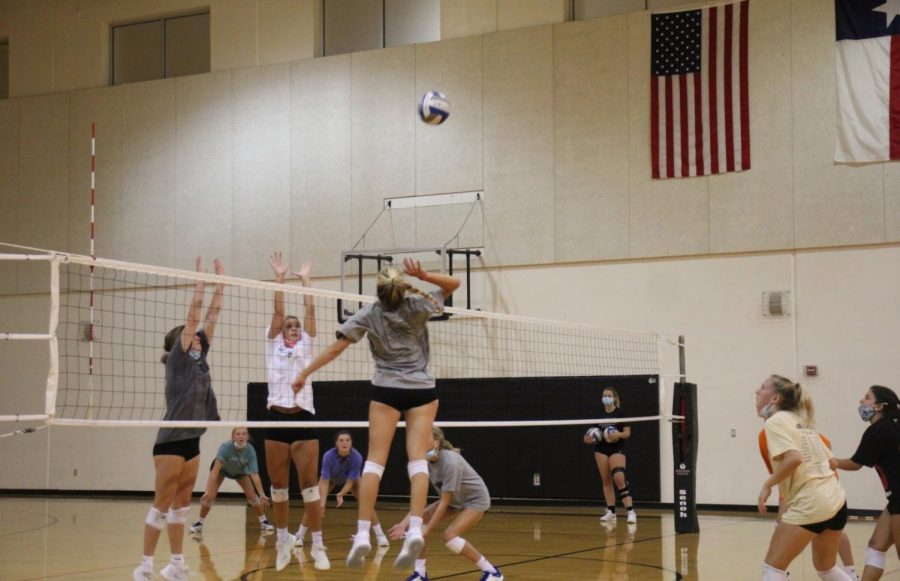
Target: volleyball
434 108
594 434
609 433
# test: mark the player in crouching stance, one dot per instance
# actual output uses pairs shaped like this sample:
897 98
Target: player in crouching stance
464 495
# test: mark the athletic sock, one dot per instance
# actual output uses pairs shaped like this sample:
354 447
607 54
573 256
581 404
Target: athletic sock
485 565
420 567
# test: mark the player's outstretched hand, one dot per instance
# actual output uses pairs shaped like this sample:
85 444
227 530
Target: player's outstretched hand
414 268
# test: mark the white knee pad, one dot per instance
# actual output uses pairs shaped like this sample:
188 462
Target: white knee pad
834 574
770 573
875 558
373 468
417 467
155 518
178 516
310 494
280 494
456 545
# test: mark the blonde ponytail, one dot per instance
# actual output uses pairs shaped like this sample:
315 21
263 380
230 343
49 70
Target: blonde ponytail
443 441
794 398
391 289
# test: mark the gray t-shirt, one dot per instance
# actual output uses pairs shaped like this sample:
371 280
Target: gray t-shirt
451 473
398 340
189 394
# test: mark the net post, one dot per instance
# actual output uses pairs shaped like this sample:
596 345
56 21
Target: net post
684 448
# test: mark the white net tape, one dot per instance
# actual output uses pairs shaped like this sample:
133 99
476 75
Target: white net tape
116 378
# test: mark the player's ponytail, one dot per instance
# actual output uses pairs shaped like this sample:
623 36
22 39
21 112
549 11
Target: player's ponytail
885 395
392 289
169 341
443 441
794 398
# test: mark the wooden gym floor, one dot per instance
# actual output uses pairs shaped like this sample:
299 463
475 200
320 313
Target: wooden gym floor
60 538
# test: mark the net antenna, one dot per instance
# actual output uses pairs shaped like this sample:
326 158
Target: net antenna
458 232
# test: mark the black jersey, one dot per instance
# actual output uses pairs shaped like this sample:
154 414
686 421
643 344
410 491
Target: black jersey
880 448
603 446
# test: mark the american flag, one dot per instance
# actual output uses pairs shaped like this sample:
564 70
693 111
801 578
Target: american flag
699 96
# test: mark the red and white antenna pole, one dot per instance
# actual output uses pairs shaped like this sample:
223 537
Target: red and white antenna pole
90 330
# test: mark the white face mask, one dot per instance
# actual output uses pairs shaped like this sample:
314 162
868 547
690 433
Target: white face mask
240 445
431 455
608 400
195 355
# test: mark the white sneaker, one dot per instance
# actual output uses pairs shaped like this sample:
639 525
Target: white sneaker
196 528
361 547
173 572
412 546
141 574
610 515
383 541
298 540
283 554
632 517
265 526
320 557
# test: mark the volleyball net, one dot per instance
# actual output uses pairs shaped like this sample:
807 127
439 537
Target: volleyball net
107 320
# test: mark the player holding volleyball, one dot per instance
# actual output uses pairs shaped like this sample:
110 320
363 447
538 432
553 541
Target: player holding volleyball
609 453
235 460
402 386
341 468
288 351
816 503
463 495
880 448
176 455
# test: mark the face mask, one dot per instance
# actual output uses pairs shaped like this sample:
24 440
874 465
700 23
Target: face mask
767 411
866 412
608 400
195 355
240 445
431 455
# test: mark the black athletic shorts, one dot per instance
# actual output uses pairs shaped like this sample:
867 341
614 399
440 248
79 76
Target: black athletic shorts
402 399
290 435
893 506
835 523
610 449
187 449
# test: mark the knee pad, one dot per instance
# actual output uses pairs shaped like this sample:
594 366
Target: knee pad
833 574
280 494
875 558
373 468
178 516
456 545
624 492
155 518
417 467
770 573
310 494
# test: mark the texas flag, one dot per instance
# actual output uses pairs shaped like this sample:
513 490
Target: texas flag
868 80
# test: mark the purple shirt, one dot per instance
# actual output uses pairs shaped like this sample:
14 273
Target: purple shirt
339 470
